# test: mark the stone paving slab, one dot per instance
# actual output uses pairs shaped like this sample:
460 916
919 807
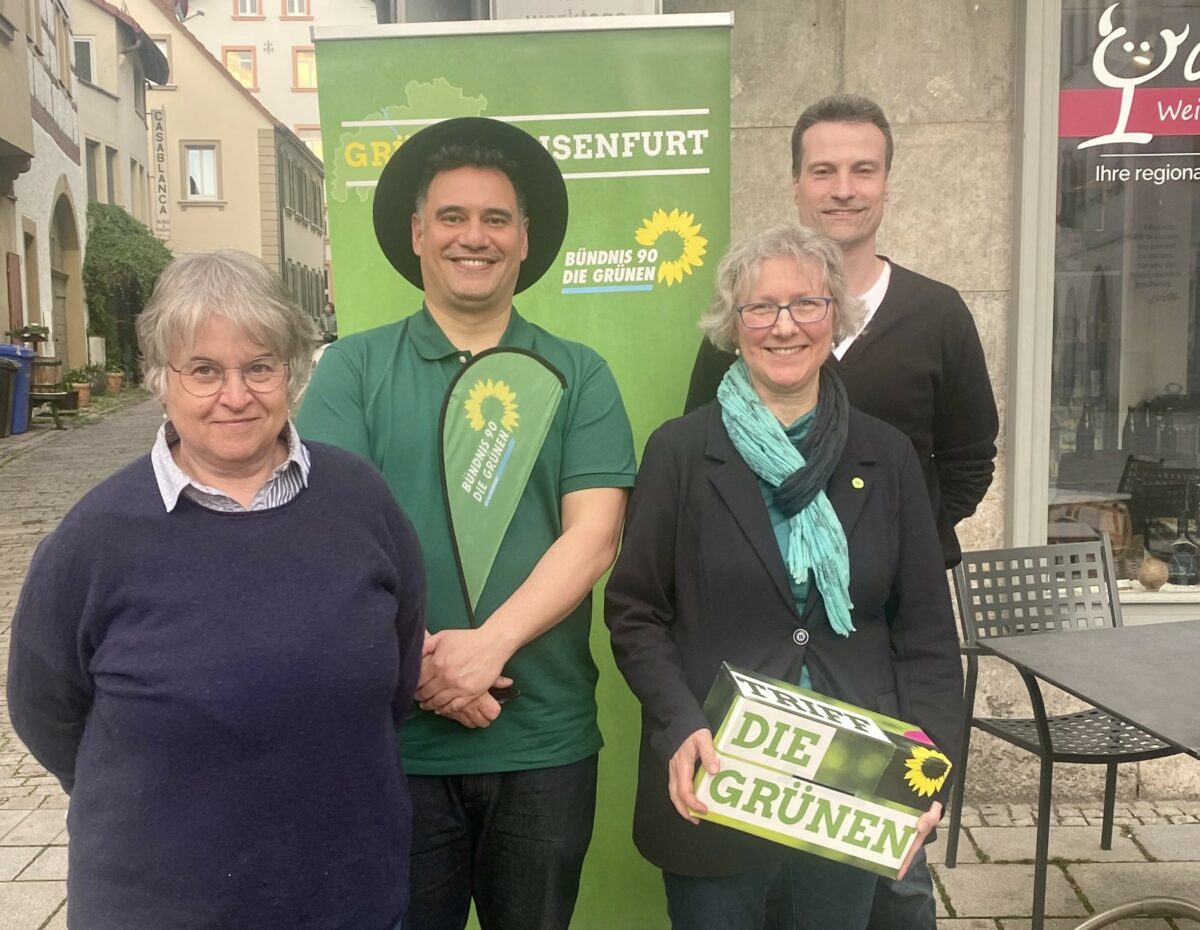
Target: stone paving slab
29 904
51 865
1106 884
10 818
38 828
1005 891
14 858
1178 842
966 849
1077 844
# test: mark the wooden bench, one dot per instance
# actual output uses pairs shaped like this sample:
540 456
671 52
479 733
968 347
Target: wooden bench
51 398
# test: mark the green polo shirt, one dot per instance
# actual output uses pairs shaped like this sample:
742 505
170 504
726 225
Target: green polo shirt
379 393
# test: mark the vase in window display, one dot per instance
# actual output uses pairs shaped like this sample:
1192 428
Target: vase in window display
1152 573
1085 431
1129 430
1181 569
1168 436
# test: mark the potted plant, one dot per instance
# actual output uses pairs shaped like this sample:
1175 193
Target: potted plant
95 373
71 401
115 377
80 380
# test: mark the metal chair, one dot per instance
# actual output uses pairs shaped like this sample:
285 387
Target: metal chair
1158 494
1043 590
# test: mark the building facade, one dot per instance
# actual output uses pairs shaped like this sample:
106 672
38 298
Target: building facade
114 60
51 197
266 45
226 172
16 153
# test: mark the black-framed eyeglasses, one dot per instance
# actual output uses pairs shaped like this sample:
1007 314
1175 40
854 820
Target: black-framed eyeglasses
204 379
801 310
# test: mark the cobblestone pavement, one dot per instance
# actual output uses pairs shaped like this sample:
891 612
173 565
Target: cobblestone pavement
43 473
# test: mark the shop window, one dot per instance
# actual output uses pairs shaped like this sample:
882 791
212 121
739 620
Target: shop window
1125 376
240 61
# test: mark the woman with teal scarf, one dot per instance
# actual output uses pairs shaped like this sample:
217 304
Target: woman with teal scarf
779 530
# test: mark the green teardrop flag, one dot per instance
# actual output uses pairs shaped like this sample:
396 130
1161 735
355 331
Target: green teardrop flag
494 421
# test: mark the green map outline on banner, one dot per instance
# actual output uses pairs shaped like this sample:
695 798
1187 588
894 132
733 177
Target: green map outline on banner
494 421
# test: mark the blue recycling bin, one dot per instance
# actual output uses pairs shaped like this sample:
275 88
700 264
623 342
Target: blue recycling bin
20 408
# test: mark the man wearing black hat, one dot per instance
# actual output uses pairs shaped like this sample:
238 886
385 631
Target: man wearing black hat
503 782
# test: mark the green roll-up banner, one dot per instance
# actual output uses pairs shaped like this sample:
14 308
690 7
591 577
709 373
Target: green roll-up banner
636 112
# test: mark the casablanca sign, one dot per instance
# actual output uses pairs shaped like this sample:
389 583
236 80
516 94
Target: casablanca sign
162 187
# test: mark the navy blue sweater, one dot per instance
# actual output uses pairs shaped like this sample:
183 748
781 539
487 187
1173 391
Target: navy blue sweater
220 694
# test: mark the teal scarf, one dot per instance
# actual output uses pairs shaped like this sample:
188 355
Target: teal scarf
818 542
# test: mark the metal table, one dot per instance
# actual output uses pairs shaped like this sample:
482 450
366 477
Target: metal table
1147 675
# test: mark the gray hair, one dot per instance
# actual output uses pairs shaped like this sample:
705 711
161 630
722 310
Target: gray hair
738 272
236 286
841 108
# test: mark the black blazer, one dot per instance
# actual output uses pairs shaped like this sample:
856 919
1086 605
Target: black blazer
700 581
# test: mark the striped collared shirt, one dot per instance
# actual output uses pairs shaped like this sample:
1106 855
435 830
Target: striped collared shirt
286 481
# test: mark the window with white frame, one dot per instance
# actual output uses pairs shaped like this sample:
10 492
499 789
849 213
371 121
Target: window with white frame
84 46
202 178
164 46
247 8
297 8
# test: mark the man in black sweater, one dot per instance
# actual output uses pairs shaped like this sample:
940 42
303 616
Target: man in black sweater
915 363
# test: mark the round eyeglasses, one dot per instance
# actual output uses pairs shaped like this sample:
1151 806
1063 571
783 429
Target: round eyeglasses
204 379
801 310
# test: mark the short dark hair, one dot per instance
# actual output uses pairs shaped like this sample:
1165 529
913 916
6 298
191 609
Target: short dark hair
841 108
466 155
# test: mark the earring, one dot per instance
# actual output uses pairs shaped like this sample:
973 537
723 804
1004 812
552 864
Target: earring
737 350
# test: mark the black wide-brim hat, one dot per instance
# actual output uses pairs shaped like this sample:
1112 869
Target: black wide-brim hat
537 173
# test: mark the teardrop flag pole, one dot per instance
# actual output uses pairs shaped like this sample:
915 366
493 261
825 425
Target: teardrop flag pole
495 418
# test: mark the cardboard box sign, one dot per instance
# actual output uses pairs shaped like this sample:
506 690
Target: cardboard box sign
816 773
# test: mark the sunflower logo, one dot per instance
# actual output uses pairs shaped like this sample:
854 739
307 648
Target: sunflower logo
927 771
482 392
692 246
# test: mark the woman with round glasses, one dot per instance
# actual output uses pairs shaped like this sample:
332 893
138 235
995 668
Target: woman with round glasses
213 650
779 530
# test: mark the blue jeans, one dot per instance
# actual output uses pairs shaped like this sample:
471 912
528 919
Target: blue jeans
513 842
813 894
907 904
